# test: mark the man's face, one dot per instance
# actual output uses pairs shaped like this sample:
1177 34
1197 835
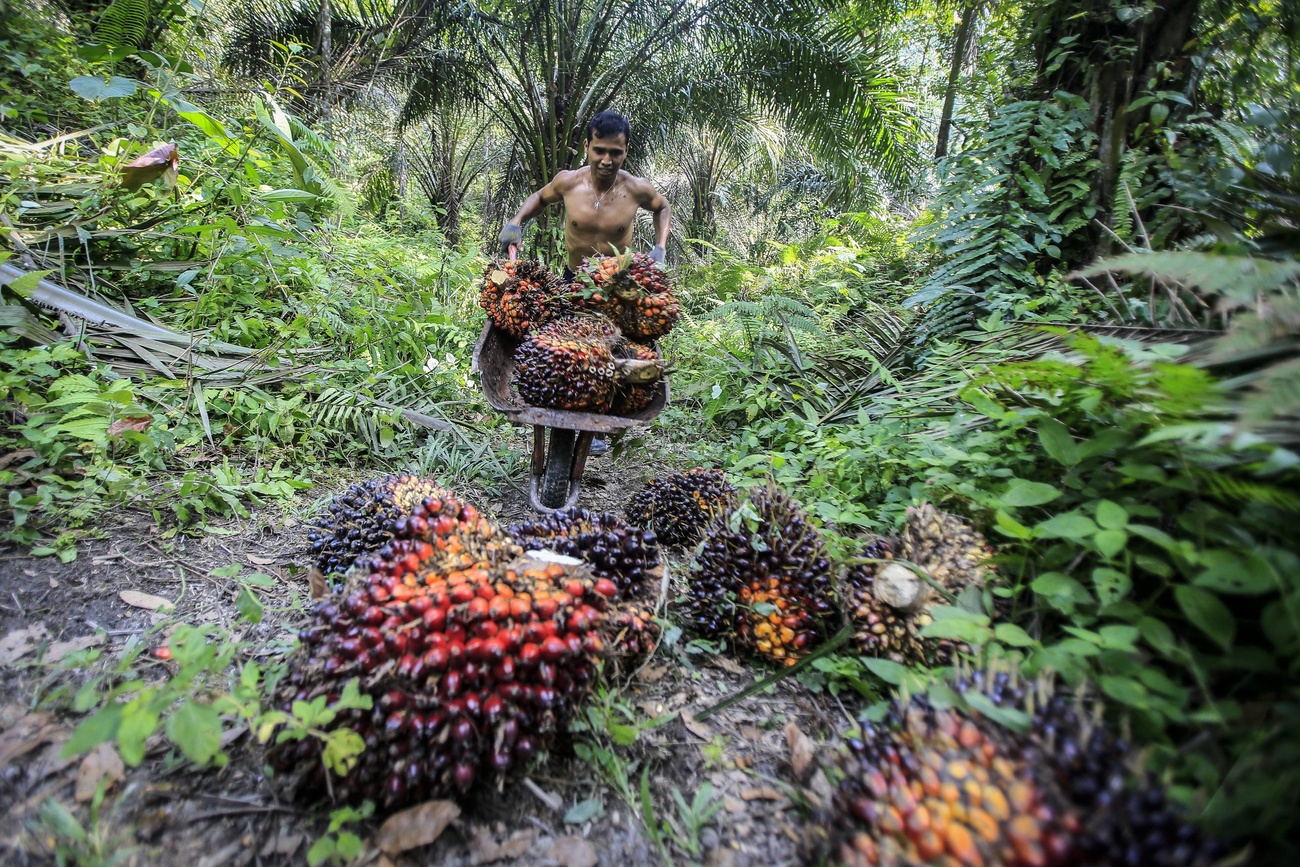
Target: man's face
606 155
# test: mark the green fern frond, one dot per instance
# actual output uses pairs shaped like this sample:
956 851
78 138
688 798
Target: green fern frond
124 23
1233 489
1237 281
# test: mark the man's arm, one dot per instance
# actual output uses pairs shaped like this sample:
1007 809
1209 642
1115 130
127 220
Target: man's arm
650 199
513 233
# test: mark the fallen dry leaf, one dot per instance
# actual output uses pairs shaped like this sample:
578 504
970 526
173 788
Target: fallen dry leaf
572 852
821 787
282 844
801 751
21 642
699 729
139 424
418 826
728 664
766 793
733 805
59 649
160 163
11 713
258 560
147 601
101 763
20 455
26 734
317 586
485 850
652 673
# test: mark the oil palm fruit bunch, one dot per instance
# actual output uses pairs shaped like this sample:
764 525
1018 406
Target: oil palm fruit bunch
521 295
677 507
473 653
633 397
762 576
568 364
630 289
890 605
939 785
360 519
626 555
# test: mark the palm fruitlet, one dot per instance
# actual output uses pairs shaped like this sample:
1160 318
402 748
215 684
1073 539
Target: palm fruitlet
677 507
631 290
519 296
360 519
568 364
890 605
933 785
473 653
761 576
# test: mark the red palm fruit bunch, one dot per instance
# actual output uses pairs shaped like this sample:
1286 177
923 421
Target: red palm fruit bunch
626 555
473 653
631 398
568 364
677 507
761 576
361 518
941 785
890 604
521 295
631 290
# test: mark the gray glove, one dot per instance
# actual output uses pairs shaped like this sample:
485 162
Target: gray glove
657 254
511 234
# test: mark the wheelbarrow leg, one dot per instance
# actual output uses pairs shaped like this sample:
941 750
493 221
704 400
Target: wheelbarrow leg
556 486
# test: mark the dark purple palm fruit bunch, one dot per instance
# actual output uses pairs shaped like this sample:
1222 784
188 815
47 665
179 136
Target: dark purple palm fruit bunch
626 555
677 507
889 605
762 578
473 653
568 364
360 519
942 785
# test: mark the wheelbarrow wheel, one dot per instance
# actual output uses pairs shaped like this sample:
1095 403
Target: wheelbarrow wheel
559 468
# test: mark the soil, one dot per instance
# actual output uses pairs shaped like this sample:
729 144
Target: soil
165 811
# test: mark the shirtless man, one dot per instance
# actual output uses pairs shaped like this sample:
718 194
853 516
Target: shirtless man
600 199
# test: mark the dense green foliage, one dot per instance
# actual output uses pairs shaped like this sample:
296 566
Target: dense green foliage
1079 329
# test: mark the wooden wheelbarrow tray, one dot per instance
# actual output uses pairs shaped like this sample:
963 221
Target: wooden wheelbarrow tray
557 470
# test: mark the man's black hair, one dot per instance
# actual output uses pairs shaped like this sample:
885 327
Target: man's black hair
609 124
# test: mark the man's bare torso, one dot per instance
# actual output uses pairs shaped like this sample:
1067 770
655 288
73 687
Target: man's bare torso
595 221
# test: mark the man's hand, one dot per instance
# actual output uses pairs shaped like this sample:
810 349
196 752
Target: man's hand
511 234
657 255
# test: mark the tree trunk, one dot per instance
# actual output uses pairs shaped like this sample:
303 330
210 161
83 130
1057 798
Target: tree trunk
965 32
325 50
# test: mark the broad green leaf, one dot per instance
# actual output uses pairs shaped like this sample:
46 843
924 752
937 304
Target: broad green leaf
1021 492
1157 633
1073 525
1011 527
1058 442
1208 613
139 721
584 811
1125 690
1011 717
196 729
320 852
1112 585
1010 633
623 735
1110 542
94 87
93 731
1111 516
885 669
250 607
1237 572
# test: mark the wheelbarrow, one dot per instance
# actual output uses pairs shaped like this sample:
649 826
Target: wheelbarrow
561 438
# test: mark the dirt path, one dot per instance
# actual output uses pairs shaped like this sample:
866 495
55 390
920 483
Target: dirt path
565 812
